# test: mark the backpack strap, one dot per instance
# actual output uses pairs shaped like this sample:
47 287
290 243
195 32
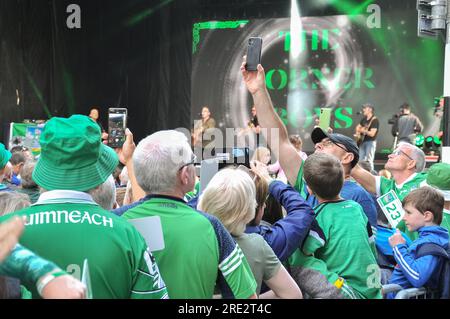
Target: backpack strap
431 249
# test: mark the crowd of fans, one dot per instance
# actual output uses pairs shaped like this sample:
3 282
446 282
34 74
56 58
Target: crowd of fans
302 227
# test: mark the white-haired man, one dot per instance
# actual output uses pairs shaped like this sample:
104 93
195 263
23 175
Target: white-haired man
199 252
406 164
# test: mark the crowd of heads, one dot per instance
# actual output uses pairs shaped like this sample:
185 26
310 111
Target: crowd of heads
74 158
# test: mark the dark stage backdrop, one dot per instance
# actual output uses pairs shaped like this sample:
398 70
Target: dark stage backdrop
134 54
138 54
342 63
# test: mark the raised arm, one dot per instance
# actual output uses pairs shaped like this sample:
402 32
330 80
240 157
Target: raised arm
268 119
364 178
126 157
287 234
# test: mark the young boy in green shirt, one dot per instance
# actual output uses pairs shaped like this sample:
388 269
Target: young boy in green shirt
337 251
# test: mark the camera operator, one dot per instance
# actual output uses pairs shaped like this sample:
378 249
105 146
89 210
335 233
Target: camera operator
406 125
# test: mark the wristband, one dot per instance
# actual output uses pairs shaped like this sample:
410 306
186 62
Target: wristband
44 281
339 283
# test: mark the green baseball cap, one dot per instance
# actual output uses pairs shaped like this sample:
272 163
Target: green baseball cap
73 156
5 155
439 177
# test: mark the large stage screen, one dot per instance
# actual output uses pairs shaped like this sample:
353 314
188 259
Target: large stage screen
341 62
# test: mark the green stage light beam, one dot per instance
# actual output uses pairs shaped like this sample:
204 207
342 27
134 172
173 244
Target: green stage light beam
437 141
38 93
68 89
138 18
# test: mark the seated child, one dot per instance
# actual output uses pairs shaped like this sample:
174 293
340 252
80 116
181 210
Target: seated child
423 213
338 258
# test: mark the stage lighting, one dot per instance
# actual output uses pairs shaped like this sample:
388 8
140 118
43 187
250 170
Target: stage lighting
429 142
437 141
420 139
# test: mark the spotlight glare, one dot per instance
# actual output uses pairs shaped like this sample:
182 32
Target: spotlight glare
296 30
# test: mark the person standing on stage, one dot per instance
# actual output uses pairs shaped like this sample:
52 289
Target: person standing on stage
254 125
94 114
366 133
407 125
201 128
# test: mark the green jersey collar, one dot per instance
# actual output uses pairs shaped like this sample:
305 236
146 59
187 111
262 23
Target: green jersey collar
156 196
64 196
407 180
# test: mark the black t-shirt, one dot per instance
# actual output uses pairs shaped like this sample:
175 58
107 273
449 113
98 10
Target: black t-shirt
254 121
375 123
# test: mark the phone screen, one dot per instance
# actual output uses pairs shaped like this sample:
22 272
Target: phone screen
325 118
117 123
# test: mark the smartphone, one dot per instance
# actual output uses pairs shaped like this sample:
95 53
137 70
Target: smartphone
325 118
253 53
117 123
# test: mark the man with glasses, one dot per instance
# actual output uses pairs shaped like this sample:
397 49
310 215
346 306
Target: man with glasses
338 145
406 164
199 253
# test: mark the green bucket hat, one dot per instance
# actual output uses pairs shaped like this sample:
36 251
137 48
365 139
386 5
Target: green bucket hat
438 176
5 155
73 156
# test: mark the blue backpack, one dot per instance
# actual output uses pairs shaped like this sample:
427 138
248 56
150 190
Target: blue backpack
444 271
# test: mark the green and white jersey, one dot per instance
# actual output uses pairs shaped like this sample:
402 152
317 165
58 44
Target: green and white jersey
300 184
446 220
339 247
199 252
67 227
384 185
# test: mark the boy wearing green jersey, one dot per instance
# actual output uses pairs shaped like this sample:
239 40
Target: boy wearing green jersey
66 226
337 251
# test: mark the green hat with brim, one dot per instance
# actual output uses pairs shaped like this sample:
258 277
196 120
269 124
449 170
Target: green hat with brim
438 177
5 155
73 156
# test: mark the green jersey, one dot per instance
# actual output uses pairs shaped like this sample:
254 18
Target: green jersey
67 227
340 247
300 185
198 253
446 220
385 185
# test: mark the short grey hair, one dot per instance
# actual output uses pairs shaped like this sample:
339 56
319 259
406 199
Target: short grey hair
11 202
417 154
26 173
158 158
105 194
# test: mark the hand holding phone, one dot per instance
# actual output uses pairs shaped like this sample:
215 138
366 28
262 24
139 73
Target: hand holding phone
325 118
117 123
253 53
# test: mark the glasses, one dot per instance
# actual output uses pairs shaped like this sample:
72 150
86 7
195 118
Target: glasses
399 152
192 162
328 142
